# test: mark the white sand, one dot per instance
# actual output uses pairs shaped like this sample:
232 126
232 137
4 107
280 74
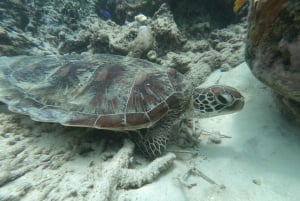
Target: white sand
260 162
264 149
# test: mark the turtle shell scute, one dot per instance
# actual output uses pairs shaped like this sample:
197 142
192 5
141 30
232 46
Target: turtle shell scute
101 91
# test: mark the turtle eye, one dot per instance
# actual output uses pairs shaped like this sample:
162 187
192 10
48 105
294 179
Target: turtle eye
224 99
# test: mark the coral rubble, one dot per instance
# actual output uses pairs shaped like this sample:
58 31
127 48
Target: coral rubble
42 160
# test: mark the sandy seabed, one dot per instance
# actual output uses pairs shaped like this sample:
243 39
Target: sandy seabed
260 162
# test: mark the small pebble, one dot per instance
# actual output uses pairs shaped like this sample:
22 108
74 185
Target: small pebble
24 189
152 56
74 193
11 142
84 193
7 135
225 67
91 164
257 181
4 177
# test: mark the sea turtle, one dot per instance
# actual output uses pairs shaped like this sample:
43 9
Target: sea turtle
110 92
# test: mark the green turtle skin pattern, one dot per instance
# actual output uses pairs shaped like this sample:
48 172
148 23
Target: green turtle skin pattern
101 91
110 92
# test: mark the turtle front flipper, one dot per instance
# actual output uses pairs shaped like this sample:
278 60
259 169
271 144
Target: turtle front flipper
152 142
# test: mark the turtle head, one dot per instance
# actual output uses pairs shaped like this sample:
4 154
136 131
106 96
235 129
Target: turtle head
216 100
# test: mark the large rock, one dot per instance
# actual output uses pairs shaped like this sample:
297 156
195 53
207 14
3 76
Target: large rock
273 49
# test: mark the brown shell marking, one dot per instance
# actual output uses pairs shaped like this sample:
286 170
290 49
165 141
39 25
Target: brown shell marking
101 91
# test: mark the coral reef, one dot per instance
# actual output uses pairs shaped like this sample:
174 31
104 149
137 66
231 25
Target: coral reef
126 10
143 42
166 32
117 173
272 52
74 27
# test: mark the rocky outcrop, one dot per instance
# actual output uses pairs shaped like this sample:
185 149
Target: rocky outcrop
273 49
